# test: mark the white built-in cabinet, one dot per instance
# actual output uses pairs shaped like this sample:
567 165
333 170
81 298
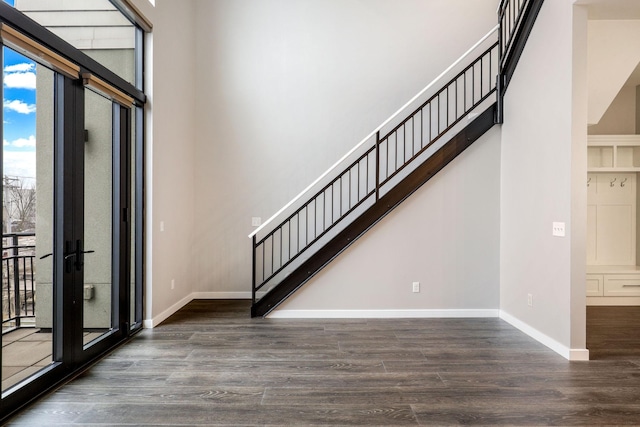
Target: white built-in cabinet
613 275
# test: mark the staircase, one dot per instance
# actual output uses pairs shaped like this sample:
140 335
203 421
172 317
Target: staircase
390 164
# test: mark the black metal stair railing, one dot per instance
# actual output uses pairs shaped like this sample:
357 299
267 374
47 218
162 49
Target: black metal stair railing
516 19
510 17
443 111
359 185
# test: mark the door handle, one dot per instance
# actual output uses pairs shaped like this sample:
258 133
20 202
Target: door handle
73 254
78 254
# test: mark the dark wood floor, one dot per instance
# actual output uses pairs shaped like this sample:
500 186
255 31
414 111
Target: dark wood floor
613 333
211 365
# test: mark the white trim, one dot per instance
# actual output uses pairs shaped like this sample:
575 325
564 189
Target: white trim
577 354
155 321
613 301
562 350
598 140
221 295
381 314
393 116
148 157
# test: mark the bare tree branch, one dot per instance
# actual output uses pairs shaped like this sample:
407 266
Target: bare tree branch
19 203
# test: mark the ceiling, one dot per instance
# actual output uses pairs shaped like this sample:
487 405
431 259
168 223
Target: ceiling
611 9
615 10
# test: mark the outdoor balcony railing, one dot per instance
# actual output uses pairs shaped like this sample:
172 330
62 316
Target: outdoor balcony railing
18 280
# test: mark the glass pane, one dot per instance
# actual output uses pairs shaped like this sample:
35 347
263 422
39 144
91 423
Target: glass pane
94 26
27 240
132 281
98 214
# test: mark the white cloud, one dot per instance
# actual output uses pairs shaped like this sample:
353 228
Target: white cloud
20 80
19 163
19 106
21 142
15 68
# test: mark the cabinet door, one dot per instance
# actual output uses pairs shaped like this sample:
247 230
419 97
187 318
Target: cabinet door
615 231
595 285
611 219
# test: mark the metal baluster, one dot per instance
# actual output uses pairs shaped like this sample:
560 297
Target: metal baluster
264 260
16 279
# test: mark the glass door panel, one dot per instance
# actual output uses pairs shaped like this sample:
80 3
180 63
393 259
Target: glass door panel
99 277
133 202
28 218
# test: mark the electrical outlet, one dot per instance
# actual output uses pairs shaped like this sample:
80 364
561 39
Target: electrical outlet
161 225
173 283
416 286
256 221
558 229
530 300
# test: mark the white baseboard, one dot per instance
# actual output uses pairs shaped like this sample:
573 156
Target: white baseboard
579 354
221 295
156 320
562 350
380 314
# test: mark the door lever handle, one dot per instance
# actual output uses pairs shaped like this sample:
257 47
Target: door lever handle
77 254
46 255
71 255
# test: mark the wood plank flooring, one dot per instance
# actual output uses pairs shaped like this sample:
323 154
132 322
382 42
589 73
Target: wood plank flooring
210 364
612 332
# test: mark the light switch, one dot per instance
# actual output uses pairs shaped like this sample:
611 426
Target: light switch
558 229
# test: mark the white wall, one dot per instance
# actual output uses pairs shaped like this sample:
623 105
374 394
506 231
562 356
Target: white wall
614 52
542 179
284 88
170 144
637 109
620 117
445 236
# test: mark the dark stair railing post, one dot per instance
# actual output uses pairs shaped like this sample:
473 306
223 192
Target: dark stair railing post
499 119
253 270
516 20
499 93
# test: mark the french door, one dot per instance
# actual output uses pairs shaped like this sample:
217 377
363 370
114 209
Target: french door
97 249
67 288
